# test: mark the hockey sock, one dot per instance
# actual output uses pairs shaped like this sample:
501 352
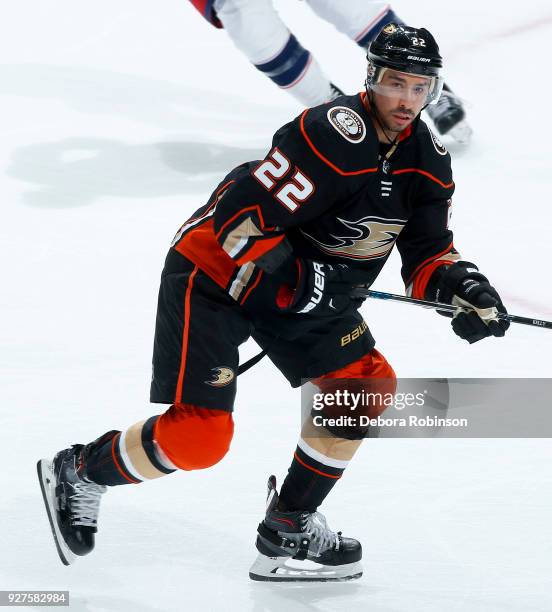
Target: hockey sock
288 64
321 457
257 30
307 483
127 457
295 69
316 467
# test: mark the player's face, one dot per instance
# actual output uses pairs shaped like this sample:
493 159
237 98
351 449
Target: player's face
400 97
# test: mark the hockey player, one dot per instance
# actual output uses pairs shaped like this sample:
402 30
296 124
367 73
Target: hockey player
258 31
275 253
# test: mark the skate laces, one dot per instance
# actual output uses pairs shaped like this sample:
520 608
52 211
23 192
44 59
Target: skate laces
322 537
85 503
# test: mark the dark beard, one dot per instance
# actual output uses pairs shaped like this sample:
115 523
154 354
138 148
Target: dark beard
394 130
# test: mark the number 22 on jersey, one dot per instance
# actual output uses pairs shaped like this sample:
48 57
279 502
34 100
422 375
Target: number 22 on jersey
294 192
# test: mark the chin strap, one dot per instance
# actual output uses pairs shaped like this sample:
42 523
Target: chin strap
376 115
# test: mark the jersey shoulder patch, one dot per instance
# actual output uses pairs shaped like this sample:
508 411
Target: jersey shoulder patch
347 122
341 134
439 146
429 141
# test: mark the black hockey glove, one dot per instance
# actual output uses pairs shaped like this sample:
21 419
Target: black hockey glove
321 289
478 302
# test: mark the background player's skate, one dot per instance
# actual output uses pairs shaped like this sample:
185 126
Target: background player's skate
299 546
72 502
449 117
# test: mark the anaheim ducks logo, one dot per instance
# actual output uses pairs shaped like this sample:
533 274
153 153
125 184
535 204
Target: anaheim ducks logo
222 376
367 238
390 28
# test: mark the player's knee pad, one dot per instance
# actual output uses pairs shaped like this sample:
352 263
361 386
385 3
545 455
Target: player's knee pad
356 393
371 365
194 438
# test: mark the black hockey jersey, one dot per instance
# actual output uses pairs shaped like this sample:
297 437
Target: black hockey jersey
328 188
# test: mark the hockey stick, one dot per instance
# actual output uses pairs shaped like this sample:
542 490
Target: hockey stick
243 367
380 295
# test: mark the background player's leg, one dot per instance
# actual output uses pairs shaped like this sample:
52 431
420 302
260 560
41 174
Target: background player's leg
360 20
258 31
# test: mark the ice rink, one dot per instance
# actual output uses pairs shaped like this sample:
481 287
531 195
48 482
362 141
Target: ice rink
117 120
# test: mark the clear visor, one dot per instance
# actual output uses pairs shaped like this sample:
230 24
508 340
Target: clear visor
407 86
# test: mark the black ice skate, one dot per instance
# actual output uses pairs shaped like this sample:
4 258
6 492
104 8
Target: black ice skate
72 502
449 117
336 92
299 546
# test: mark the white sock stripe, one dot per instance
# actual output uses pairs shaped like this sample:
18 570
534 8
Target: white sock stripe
239 246
317 456
126 459
162 458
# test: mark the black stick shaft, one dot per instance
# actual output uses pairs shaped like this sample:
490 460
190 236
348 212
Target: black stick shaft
243 367
381 295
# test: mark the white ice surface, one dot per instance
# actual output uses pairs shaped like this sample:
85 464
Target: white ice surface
116 121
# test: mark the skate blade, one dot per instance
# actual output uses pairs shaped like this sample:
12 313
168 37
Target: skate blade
461 132
47 486
285 569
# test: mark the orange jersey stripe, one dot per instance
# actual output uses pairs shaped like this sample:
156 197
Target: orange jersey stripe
325 159
430 176
187 300
436 256
213 203
242 301
422 278
200 246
